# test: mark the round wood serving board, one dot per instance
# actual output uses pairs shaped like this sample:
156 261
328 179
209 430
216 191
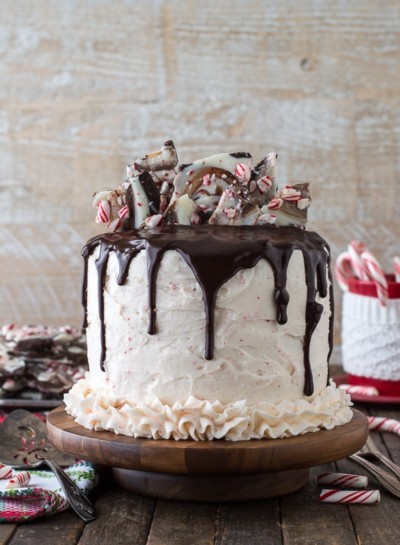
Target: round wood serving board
208 470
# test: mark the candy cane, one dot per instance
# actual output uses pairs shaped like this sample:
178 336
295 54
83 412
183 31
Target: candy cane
264 184
350 496
361 390
103 212
115 224
123 212
290 194
376 273
344 270
396 266
355 250
21 479
343 479
379 423
6 472
243 172
274 204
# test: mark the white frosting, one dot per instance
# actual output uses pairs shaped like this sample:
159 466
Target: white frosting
162 384
204 420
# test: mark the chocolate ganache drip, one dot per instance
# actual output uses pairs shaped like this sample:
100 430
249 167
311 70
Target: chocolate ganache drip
215 254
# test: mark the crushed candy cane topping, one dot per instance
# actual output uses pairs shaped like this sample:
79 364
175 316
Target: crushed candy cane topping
222 189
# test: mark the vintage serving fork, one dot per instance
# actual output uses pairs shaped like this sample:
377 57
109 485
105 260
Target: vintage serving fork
24 445
386 479
370 450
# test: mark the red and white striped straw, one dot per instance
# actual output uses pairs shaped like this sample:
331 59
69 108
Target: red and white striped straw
350 496
396 267
377 275
343 479
378 423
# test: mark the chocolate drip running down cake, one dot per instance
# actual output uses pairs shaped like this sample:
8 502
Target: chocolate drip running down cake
210 317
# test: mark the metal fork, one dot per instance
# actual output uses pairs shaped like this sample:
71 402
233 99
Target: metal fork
370 450
386 479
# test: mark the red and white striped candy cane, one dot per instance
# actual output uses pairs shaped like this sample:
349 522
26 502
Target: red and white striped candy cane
290 194
355 250
350 496
103 212
343 479
396 267
6 472
378 423
344 270
243 172
19 480
264 184
361 390
376 274
123 212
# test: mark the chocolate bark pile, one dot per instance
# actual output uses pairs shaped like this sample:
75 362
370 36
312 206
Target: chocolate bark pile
40 362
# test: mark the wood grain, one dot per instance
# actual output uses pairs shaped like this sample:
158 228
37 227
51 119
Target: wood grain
116 510
314 522
365 526
6 531
173 519
209 458
297 519
86 88
213 488
257 523
62 528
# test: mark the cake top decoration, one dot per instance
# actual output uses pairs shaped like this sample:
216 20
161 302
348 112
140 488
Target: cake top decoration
222 189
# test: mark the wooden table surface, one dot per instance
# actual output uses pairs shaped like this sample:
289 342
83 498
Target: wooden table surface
299 518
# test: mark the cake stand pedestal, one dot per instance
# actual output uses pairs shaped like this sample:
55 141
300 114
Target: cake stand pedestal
208 470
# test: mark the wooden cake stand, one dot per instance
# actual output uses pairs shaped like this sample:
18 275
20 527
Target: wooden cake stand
208 470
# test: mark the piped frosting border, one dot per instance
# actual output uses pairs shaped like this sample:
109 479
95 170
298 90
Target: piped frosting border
204 420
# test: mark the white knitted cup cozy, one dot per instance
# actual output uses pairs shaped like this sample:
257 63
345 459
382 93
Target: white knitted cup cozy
371 337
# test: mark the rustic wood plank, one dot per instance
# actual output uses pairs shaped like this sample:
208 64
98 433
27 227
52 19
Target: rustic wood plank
80 98
183 523
305 520
6 531
388 442
252 522
378 524
329 49
122 519
64 528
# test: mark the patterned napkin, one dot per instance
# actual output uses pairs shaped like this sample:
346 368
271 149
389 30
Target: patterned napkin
43 495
